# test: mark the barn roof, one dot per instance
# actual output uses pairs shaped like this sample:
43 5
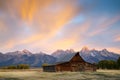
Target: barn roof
66 57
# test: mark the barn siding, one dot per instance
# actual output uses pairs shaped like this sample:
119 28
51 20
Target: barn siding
49 68
63 67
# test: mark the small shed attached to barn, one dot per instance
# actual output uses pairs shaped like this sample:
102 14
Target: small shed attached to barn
70 62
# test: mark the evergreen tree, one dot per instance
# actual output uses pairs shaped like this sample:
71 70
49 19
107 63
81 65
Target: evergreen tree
118 62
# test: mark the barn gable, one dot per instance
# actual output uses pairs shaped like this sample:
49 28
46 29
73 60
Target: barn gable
77 58
69 57
66 58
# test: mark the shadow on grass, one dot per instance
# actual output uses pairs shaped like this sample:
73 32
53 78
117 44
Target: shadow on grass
9 79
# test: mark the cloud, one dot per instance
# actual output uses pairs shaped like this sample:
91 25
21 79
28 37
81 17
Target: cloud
42 16
70 36
117 38
64 44
8 45
50 24
2 27
30 21
104 25
114 49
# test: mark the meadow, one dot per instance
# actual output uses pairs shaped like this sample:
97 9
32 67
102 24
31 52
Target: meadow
37 74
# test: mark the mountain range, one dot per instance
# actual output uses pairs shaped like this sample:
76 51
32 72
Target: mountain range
37 59
25 57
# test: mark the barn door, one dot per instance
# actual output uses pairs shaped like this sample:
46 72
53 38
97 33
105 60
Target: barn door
77 68
81 68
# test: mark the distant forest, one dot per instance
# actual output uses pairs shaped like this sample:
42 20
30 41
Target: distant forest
109 64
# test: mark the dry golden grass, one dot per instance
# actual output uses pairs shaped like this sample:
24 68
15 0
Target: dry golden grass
37 74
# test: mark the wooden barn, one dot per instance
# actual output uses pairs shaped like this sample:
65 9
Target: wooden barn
70 62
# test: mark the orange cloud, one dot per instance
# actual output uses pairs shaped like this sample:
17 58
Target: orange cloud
43 22
26 43
114 49
2 27
31 39
39 16
8 45
67 41
45 18
29 8
54 21
117 38
63 44
70 38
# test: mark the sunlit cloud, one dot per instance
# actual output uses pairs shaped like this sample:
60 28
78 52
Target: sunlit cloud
64 44
9 45
117 38
2 27
113 49
47 25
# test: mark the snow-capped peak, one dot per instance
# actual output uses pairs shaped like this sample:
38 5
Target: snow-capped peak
59 53
20 52
26 51
70 51
84 49
105 50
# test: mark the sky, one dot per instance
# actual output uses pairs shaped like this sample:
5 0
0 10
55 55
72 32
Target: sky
48 25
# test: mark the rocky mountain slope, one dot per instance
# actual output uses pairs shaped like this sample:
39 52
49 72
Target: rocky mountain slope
92 56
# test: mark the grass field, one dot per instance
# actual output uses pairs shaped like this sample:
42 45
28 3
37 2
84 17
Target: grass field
37 74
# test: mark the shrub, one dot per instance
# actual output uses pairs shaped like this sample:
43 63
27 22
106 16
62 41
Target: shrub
45 64
22 66
19 66
11 67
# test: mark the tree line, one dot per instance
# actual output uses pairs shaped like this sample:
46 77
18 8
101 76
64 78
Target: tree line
109 64
19 66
